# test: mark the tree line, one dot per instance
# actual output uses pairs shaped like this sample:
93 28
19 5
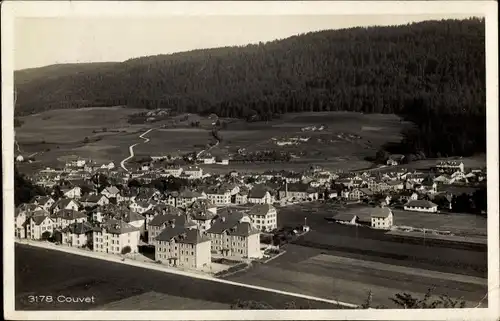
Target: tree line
431 73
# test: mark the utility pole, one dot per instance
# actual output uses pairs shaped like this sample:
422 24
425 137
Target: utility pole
424 236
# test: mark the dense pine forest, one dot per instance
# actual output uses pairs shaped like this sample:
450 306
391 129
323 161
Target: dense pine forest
431 73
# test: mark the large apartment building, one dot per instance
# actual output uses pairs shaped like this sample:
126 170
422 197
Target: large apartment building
114 235
234 235
264 217
180 246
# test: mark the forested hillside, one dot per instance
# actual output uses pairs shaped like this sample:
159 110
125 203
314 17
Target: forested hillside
432 73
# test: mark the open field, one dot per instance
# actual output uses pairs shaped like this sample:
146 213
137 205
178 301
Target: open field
48 272
174 141
345 240
343 133
343 142
324 273
459 224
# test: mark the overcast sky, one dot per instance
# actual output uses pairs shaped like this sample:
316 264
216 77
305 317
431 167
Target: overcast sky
45 41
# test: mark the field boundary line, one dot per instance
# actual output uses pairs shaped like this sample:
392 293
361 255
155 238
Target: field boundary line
183 273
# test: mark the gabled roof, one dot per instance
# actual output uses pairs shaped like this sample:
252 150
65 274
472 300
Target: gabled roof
381 212
257 192
299 187
79 228
117 227
421 203
189 194
62 203
260 209
42 200
68 214
178 220
111 190
39 219
92 198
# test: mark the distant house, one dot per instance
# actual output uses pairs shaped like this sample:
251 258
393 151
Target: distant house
63 218
219 196
360 193
298 192
264 217
241 197
208 159
110 192
382 218
408 195
259 195
45 202
421 206
65 204
72 192
140 206
193 172
36 226
77 234
450 166
94 200
395 160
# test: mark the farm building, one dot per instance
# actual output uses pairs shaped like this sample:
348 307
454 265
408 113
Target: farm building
421 206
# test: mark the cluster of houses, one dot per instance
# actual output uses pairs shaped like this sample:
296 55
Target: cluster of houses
223 215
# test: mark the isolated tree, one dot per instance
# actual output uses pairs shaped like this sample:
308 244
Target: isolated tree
85 140
46 235
126 249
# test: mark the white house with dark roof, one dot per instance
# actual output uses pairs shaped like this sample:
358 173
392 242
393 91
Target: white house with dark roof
382 218
110 192
259 195
37 225
94 200
193 172
219 195
264 217
77 234
114 235
234 235
45 202
72 192
141 206
65 204
241 197
421 206
160 222
63 218
450 166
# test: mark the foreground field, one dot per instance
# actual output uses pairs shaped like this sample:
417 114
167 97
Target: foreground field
459 224
56 273
330 275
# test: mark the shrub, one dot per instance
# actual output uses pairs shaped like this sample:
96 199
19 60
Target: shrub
126 250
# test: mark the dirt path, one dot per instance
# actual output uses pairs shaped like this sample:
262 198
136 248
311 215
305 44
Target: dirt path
131 148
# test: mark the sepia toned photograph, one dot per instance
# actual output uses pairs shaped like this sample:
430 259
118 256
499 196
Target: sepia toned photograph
227 165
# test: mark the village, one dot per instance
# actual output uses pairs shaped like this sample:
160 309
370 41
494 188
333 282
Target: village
189 218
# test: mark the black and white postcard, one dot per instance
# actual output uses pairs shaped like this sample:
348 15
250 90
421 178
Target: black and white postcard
308 160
